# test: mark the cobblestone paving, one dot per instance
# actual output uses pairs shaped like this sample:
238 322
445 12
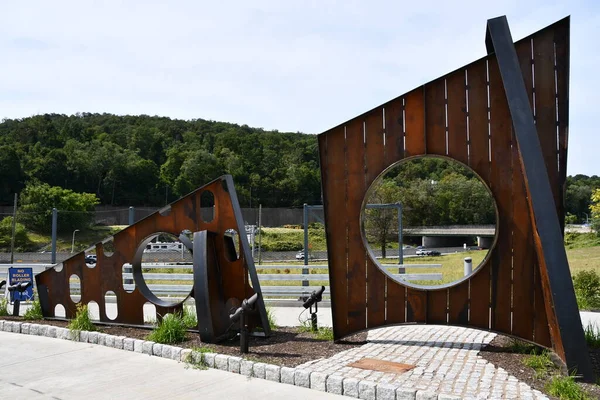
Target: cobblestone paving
446 361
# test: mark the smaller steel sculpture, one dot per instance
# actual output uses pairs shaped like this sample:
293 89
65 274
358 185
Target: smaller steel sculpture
223 276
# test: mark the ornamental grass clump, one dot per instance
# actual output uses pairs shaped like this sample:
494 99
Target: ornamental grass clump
171 329
34 311
82 321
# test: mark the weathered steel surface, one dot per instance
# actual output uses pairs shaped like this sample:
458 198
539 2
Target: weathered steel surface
466 116
373 364
224 272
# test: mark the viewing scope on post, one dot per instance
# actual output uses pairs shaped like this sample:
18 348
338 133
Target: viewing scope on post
314 299
240 315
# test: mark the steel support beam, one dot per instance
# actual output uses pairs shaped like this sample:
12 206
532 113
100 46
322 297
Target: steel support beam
561 306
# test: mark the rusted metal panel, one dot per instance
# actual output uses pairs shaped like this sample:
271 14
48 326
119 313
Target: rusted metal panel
545 104
373 364
523 255
394 131
357 256
458 304
414 117
128 245
437 306
541 330
479 161
376 280
561 43
416 305
396 303
457 116
501 186
435 117
333 146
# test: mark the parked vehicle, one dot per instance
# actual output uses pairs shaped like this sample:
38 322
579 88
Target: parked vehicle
90 259
427 252
300 255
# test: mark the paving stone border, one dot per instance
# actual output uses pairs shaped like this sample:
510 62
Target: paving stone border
302 377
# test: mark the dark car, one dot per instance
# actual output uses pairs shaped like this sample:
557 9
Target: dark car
90 259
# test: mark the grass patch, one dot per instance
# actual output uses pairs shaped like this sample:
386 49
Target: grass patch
171 329
565 388
592 335
82 321
34 311
4 307
541 363
271 317
574 240
190 319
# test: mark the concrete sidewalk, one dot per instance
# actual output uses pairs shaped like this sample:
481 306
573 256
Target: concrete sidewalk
35 367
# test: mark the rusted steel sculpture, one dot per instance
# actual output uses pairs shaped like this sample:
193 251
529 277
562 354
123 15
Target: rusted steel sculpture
506 117
220 275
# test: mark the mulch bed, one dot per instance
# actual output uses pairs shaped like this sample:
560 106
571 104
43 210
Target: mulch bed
499 353
286 347
289 347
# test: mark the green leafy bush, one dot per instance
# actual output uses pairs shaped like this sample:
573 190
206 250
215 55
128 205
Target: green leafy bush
82 321
34 311
37 201
22 241
587 289
171 329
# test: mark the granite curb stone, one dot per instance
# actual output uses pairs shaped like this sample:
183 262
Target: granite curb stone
272 372
287 375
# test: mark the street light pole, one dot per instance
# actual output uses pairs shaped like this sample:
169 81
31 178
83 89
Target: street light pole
73 241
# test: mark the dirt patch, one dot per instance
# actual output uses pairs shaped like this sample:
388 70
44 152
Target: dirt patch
500 353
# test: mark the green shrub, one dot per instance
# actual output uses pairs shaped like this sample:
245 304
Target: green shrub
522 347
82 321
171 329
22 241
565 387
34 311
3 307
587 289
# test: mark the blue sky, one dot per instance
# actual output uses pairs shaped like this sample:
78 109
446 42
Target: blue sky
292 66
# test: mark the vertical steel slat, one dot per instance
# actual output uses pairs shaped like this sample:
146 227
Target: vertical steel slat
479 284
394 132
501 186
333 175
357 260
375 164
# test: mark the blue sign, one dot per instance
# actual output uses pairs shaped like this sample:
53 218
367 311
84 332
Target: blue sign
18 275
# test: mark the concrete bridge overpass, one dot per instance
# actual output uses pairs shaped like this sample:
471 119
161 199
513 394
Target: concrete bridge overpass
441 236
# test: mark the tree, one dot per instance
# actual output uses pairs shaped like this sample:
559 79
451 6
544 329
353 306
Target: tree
380 223
595 210
11 173
37 201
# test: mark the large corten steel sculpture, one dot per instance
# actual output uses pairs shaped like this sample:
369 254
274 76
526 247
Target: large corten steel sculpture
220 275
506 117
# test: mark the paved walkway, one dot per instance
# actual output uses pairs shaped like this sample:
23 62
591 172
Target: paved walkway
446 361
35 367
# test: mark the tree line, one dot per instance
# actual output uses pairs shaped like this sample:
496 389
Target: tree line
150 161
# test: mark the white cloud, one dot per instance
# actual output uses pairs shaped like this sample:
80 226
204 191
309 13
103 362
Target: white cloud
290 66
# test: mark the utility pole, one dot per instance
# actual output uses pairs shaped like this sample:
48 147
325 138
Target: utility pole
14 228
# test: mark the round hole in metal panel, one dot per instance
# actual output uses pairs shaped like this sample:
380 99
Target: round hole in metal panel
232 245
207 206
93 311
163 269
424 218
59 311
75 288
111 306
149 313
127 274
